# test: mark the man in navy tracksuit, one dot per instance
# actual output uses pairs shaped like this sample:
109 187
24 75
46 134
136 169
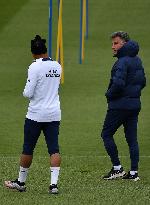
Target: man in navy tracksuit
123 97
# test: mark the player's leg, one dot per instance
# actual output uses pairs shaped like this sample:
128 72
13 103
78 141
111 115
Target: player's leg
113 120
32 132
51 132
130 129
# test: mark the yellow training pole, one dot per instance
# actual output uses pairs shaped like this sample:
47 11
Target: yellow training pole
61 49
60 42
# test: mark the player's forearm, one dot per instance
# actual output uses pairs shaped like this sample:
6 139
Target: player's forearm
28 91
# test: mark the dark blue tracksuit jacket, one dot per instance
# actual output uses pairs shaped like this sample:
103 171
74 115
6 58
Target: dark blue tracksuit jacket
127 79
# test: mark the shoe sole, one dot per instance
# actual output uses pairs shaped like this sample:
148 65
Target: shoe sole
53 192
136 179
116 176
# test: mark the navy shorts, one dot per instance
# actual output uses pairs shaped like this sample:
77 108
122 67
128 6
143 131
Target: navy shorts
32 131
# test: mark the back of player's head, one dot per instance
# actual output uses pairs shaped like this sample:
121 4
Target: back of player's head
123 35
38 45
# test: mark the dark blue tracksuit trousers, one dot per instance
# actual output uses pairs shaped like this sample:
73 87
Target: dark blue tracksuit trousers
114 119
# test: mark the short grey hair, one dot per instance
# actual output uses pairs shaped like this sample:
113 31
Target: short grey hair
123 35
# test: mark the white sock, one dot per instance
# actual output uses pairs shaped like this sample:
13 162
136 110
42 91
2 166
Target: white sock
117 167
54 174
133 172
23 174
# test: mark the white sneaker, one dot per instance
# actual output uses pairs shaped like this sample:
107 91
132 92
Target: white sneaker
53 189
113 174
20 186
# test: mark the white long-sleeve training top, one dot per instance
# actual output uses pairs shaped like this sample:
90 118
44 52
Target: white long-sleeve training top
42 90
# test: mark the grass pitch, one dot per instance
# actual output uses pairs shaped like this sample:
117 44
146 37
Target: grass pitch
84 159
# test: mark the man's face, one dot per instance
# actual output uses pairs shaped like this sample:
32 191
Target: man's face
117 43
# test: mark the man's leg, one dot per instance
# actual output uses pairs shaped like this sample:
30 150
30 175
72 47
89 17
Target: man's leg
55 161
113 120
111 124
51 132
32 132
130 129
25 162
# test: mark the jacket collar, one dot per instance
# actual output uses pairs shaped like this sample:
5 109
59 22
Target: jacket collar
131 48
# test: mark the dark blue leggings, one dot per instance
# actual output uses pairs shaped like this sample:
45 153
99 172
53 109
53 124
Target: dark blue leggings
114 119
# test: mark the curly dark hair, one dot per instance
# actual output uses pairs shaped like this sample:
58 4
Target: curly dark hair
123 35
38 45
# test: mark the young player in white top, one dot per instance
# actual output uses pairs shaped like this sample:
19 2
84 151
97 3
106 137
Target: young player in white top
44 114
42 90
